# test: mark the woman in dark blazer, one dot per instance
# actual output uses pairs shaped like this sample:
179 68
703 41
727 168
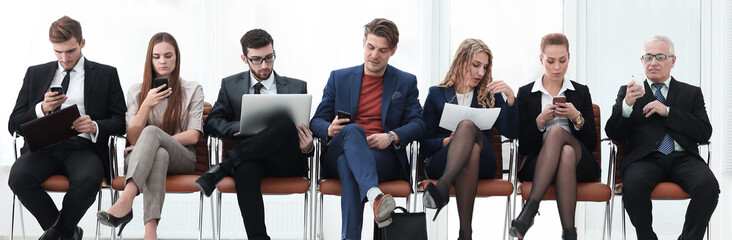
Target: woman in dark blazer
464 156
556 137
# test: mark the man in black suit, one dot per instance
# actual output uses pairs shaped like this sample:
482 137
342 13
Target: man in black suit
95 88
662 120
280 150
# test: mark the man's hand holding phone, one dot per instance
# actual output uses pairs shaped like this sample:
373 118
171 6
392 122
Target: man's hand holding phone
53 99
634 90
341 119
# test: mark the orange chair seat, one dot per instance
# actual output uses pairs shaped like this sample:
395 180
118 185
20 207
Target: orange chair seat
60 183
173 183
486 187
663 190
591 191
398 188
289 185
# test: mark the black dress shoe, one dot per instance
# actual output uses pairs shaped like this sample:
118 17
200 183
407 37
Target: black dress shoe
210 179
49 234
78 234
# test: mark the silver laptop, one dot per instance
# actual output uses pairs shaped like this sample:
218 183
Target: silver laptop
256 109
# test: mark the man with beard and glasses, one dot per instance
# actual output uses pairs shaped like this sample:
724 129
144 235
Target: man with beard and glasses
280 150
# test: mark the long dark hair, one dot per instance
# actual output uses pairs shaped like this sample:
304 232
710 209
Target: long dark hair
172 116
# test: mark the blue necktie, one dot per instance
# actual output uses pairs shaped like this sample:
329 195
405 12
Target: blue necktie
667 145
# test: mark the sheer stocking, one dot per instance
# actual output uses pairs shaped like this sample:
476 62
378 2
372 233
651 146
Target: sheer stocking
558 161
463 160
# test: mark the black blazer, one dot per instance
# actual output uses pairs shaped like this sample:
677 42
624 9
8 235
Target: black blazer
223 121
435 104
103 100
687 122
529 107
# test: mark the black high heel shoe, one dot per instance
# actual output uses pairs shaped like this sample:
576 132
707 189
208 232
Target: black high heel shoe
525 220
569 234
112 221
434 199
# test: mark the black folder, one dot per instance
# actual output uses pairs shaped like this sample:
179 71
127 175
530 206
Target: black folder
50 129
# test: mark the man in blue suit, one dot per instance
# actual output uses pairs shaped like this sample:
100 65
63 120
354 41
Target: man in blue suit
383 107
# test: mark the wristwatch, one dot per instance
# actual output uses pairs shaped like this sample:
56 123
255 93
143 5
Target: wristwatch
391 136
578 120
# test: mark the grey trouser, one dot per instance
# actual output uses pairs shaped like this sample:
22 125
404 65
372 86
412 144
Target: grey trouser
156 154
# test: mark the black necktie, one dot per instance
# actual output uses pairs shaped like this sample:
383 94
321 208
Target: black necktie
258 87
65 82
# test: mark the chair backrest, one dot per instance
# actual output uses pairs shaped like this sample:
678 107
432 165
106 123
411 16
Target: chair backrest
496 144
201 147
597 154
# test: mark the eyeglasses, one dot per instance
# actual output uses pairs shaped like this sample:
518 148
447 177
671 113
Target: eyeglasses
256 61
659 57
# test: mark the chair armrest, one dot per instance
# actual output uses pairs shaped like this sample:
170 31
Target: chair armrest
512 162
413 156
16 149
708 144
315 172
612 163
113 144
215 149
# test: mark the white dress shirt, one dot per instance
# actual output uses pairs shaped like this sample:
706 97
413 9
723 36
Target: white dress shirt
269 85
75 93
547 98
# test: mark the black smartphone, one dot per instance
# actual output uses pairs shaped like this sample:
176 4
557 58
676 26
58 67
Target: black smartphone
559 99
344 114
57 89
159 82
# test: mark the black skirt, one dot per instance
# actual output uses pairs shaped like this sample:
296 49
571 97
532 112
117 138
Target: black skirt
587 170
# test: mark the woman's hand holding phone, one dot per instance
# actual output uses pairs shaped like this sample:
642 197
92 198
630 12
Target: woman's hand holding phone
157 95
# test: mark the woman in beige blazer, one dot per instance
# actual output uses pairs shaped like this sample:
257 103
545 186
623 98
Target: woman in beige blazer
163 124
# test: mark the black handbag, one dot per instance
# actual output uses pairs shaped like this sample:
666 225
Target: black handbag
404 226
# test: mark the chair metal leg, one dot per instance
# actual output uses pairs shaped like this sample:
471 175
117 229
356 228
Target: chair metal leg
12 218
99 208
200 215
507 218
213 219
622 206
607 226
218 214
306 217
112 200
320 216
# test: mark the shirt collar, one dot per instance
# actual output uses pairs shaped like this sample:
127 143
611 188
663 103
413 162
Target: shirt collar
267 82
77 68
665 83
539 87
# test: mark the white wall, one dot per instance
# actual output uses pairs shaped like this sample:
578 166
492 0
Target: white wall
314 37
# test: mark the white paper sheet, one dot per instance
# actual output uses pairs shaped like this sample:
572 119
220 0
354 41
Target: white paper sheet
452 114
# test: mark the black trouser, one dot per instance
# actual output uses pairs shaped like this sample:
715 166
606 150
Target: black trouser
693 175
75 158
279 146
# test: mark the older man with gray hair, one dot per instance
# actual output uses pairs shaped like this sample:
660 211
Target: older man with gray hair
662 121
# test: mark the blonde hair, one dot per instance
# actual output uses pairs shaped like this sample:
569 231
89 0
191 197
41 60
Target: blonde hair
460 67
